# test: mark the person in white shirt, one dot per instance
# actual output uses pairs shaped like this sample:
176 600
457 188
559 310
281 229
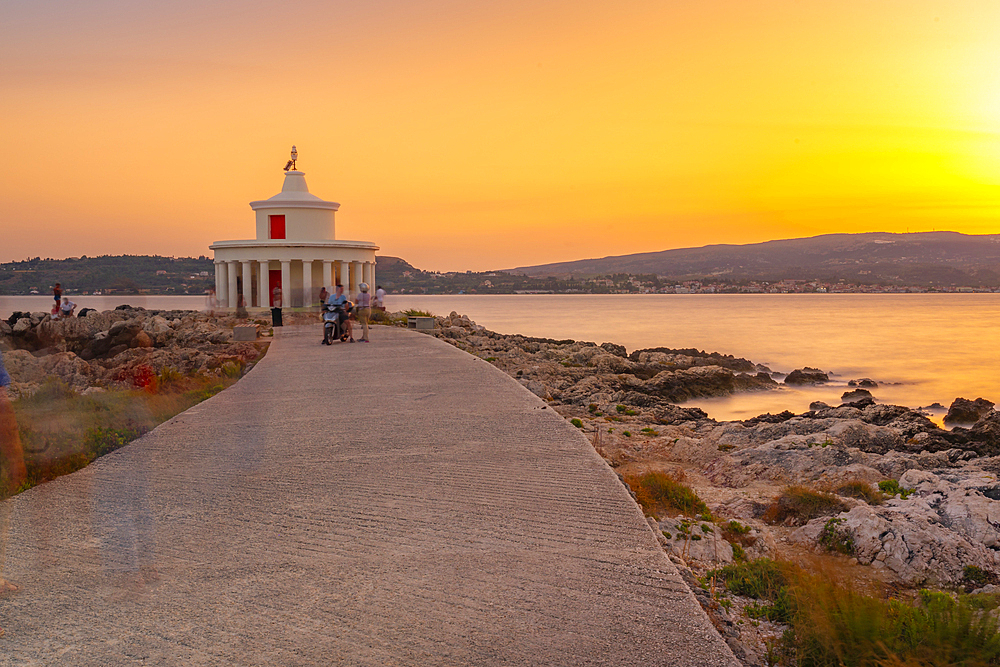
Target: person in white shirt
379 298
67 307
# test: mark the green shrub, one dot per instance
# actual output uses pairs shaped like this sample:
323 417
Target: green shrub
739 554
232 369
658 492
797 504
861 491
891 488
974 577
53 389
592 408
650 431
764 580
835 625
576 422
627 434
835 538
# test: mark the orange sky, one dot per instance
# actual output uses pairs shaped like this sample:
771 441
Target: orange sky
476 136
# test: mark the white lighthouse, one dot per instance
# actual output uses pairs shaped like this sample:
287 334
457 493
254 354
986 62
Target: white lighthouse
296 249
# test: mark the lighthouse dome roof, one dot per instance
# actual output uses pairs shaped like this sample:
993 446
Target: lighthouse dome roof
294 193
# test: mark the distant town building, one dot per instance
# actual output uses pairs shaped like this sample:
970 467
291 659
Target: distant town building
296 249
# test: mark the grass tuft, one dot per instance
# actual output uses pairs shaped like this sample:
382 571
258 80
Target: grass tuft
659 493
797 504
891 488
860 490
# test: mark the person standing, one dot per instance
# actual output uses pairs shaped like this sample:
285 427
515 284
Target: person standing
323 296
380 298
364 310
276 306
57 293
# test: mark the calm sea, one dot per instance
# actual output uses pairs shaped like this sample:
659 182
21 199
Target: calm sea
921 348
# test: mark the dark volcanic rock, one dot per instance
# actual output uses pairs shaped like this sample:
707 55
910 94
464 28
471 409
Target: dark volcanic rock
674 414
807 376
964 411
861 403
768 418
855 395
818 405
710 358
864 383
617 350
983 437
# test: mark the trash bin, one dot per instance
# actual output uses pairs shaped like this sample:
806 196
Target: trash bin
276 317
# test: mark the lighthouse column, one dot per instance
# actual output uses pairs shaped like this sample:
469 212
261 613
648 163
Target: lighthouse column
307 282
328 280
286 283
247 284
220 283
231 298
262 280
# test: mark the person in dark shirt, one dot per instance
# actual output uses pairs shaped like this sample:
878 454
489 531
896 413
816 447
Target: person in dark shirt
57 293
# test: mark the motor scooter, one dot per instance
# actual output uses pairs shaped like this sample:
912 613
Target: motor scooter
334 327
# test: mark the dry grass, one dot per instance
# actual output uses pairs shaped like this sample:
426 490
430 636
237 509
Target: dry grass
659 493
61 431
796 505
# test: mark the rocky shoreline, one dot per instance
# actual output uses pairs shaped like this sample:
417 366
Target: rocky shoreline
942 519
119 348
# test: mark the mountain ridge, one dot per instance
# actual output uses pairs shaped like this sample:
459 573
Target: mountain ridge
919 257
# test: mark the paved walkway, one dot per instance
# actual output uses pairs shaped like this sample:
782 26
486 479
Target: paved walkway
398 503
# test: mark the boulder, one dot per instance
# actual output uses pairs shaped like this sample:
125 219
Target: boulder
141 339
864 383
964 411
855 395
807 376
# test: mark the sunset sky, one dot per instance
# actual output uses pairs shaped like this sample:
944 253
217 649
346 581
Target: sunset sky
472 135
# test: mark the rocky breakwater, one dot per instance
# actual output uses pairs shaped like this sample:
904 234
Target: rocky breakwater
580 373
910 501
118 347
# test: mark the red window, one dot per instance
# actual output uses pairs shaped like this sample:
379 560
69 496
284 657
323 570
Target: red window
277 226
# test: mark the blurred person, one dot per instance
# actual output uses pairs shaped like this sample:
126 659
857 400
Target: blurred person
12 468
380 298
13 472
241 307
57 293
211 303
276 306
364 310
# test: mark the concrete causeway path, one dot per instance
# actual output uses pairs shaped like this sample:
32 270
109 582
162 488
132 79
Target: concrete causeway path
397 503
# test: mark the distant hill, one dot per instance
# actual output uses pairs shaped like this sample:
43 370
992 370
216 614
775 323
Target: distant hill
924 258
111 274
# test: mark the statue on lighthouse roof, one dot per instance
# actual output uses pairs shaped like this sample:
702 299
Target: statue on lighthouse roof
291 163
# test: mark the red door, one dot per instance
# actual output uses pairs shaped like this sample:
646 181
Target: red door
277 226
273 280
